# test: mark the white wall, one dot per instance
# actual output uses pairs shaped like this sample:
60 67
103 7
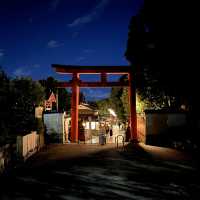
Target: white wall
54 123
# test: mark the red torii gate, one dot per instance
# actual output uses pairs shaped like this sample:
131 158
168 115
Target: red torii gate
76 83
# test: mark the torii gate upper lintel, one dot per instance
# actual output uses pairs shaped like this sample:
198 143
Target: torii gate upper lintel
76 83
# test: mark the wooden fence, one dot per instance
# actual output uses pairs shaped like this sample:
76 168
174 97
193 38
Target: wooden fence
27 145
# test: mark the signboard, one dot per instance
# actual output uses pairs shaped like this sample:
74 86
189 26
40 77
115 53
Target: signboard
48 105
52 98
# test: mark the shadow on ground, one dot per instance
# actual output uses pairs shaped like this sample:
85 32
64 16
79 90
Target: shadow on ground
100 173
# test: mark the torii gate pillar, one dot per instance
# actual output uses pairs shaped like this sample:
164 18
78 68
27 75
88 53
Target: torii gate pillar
74 108
103 70
132 103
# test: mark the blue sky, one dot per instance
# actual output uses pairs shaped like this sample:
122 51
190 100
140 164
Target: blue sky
37 33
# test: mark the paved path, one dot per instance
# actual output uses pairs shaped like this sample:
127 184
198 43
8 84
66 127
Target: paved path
163 153
81 171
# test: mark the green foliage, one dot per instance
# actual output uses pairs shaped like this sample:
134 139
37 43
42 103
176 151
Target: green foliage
41 130
64 100
26 95
49 85
103 106
18 98
125 102
82 98
118 101
64 97
39 126
156 51
5 104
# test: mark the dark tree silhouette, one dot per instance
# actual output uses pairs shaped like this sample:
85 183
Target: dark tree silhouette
64 100
64 97
5 104
26 95
161 47
50 86
82 98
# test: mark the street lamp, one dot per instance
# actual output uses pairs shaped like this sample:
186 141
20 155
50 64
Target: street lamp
112 112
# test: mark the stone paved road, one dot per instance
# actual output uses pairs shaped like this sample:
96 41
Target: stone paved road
76 172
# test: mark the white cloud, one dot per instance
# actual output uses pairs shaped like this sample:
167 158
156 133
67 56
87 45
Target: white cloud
21 71
84 55
25 71
79 59
91 16
54 44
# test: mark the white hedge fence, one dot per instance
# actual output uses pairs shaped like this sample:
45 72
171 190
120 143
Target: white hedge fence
27 145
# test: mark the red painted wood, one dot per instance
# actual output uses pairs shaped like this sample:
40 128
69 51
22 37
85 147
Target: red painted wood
74 108
68 69
103 77
133 114
103 70
93 84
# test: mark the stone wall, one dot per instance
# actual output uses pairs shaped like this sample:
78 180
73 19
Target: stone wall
141 127
161 126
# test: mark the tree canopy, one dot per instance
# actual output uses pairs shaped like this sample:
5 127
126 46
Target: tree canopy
161 48
18 99
26 95
4 104
118 101
64 97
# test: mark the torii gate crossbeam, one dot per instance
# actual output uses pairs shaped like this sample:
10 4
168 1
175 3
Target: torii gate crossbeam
76 83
